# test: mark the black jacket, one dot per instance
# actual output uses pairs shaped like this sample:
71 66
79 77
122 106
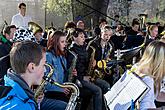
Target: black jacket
4 59
98 53
82 60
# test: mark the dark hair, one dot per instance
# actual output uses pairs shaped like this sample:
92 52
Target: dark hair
7 29
21 4
24 53
69 24
116 16
53 43
135 22
76 32
102 20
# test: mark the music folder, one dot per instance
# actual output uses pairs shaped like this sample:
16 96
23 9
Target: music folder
128 88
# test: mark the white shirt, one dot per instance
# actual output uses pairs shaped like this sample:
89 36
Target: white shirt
20 21
148 100
162 89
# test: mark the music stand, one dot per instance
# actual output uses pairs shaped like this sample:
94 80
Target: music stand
128 56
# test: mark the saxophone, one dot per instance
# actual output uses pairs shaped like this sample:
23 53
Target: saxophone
109 52
73 65
100 72
72 101
92 58
44 82
93 73
74 96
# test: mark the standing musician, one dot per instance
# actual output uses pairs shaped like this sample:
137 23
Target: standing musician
98 87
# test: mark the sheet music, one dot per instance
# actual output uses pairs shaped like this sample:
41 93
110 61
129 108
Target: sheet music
128 87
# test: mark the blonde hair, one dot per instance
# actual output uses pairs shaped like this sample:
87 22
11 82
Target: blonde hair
153 61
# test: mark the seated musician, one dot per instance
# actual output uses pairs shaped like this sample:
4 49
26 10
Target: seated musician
5 47
104 49
152 34
27 62
56 97
151 69
118 37
98 87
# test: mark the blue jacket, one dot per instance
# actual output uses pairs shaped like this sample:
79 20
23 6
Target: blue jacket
16 99
58 74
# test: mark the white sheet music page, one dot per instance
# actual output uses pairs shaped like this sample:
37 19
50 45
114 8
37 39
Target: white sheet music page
128 87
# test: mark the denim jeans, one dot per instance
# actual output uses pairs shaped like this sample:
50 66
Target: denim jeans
97 94
104 85
52 104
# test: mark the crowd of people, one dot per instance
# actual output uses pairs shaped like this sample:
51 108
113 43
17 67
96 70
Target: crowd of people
74 54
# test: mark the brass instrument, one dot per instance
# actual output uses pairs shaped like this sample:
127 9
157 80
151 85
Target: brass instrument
72 101
93 73
69 36
109 52
73 65
92 58
105 69
142 18
44 82
75 93
34 27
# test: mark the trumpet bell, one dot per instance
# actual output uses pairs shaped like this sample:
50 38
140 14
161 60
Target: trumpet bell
34 27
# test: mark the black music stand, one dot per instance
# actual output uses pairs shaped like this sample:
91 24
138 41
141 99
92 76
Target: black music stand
128 56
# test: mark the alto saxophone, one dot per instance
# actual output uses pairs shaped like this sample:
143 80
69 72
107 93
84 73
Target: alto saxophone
44 82
92 58
109 52
72 101
93 73
73 65
75 93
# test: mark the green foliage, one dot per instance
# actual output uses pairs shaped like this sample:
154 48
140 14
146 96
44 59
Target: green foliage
162 5
154 20
60 7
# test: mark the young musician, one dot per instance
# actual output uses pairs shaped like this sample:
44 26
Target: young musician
104 49
5 48
27 62
152 34
103 45
151 69
20 34
55 96
99 86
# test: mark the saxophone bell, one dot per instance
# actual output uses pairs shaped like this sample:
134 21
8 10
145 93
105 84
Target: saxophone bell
74 96
47 79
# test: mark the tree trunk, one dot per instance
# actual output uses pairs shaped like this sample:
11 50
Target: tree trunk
85 13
